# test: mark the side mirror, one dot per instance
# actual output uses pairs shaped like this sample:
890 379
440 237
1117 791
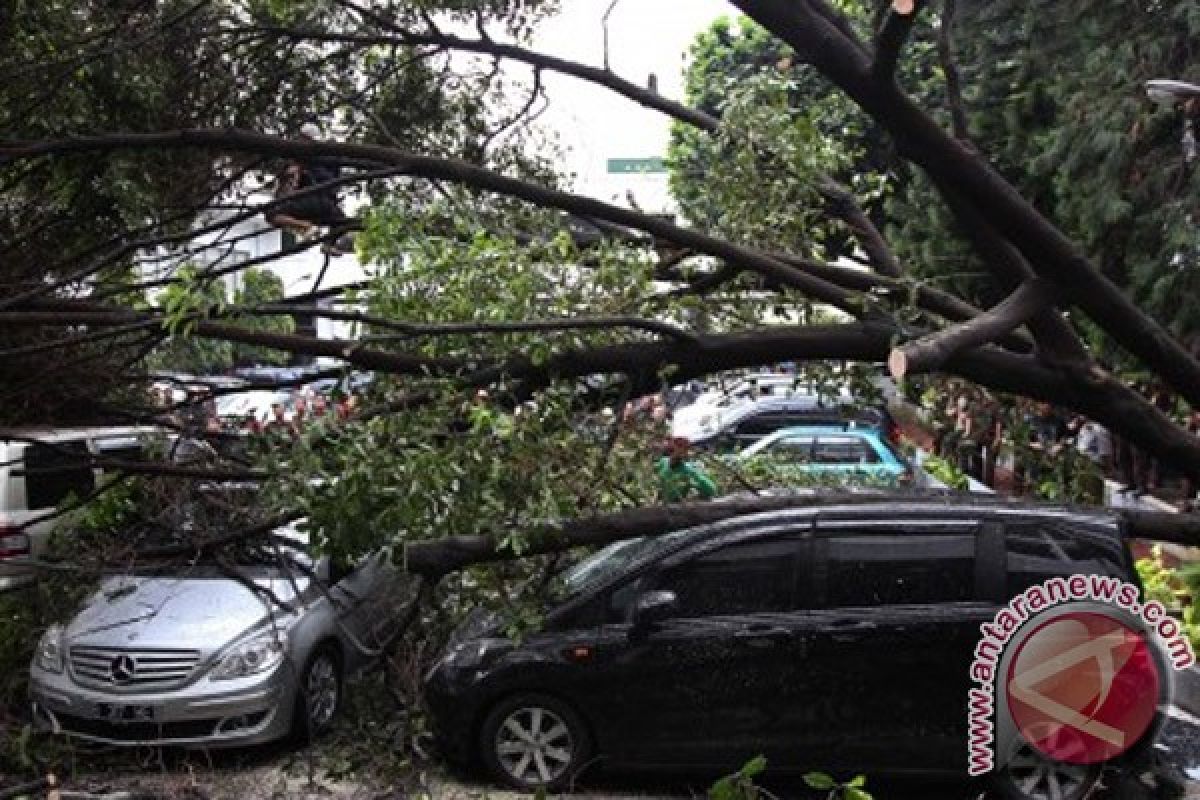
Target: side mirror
652 607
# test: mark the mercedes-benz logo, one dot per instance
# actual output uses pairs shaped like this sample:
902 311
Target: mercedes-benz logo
123 669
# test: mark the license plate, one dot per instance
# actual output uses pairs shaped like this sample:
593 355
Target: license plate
116 712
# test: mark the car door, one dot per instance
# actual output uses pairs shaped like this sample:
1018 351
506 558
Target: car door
899 619
713 683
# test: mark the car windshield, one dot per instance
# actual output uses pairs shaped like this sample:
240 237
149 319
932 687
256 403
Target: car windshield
611 561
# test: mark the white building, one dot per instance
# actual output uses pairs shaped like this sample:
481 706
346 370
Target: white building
251 239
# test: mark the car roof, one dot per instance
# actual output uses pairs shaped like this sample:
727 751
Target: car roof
67 433
820 430
812 505
864 503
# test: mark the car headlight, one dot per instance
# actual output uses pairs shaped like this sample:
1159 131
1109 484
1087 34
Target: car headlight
49 650
472 653
252 656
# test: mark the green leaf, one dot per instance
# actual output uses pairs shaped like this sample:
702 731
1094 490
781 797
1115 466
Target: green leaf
754 767
820 780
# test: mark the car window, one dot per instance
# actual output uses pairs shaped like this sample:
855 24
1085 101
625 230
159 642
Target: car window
844 450
1037 552
759 425
794 449
609 562
740 578
54 472
121 449
899 568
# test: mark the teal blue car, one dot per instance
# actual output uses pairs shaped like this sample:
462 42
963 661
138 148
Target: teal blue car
827 454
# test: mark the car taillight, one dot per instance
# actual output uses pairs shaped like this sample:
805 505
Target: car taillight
13 544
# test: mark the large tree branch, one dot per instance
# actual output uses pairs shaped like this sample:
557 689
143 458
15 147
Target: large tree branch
842 204
1056 341
1052 254
413 330
439 557
453 171
930 352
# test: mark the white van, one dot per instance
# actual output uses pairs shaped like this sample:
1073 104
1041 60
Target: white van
39 469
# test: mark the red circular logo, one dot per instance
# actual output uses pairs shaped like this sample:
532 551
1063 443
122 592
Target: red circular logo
1083 687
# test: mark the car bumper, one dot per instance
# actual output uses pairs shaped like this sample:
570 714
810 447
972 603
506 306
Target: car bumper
203 714
455 703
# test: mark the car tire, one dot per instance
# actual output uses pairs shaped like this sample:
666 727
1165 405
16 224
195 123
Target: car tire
318 694
534 741
1029 775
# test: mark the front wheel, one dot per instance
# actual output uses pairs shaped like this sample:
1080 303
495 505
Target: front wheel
533 741
318 696
1029 775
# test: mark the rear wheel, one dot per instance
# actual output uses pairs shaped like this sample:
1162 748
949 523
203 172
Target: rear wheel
533 741
1029 775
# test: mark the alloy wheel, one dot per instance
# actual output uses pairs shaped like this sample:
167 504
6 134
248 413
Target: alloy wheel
321 692
534 746
1038 778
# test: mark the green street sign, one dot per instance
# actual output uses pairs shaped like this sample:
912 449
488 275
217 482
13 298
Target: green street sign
627 165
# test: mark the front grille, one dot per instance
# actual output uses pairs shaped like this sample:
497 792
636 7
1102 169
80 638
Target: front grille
121 668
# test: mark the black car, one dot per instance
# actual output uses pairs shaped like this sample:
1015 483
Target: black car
836 636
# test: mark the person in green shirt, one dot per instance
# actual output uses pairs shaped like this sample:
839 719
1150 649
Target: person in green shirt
678 478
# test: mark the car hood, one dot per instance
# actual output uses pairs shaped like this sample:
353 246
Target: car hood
186 613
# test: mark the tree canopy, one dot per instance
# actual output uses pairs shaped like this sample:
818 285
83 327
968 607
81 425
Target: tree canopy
812 133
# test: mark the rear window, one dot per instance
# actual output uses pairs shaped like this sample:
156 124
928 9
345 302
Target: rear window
1039 551
844 450
54 472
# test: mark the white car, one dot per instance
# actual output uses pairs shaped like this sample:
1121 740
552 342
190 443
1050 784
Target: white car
256 403
704 412
40 468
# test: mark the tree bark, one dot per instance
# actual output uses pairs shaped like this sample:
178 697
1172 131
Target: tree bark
806 28
930 352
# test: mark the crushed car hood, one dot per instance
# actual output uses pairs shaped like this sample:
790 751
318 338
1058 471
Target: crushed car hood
187 613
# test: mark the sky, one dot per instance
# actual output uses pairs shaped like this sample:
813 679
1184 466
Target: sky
645 36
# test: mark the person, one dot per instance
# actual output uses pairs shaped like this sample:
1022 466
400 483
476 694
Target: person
320 406
299 414
1094 442
307 214
678 478
278 425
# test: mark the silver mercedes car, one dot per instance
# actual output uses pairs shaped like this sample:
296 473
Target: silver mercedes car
206 659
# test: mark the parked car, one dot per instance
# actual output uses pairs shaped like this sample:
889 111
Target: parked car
836 635
201 659
40 468
739 426
687 416
834 451
233 409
